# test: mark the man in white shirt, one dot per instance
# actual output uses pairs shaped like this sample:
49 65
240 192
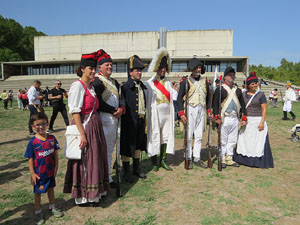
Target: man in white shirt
34 101
289 98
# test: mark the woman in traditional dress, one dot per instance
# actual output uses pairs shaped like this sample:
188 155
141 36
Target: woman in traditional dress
87 179
253 147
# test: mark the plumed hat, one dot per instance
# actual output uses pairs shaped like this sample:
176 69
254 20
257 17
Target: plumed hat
89 59
134 62
103 57
289 83
161 60
252 78
228 70
193 63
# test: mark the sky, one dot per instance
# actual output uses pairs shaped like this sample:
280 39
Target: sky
264 30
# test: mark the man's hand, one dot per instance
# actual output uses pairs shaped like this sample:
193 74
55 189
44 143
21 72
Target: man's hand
118 113
243 123
34 178
183 119
58 97
218 121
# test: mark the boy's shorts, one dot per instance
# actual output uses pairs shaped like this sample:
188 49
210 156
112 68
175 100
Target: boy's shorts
43 185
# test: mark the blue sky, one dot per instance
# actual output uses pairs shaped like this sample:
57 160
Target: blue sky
265 30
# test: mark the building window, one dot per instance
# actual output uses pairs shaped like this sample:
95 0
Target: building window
225 64
211 66
119 67
179 66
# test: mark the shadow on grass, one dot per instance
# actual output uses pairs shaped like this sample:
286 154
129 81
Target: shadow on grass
12 165
178 158
14 141
28 216
9 176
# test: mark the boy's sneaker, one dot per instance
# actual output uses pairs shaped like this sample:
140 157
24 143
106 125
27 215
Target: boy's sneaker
39 218
56 212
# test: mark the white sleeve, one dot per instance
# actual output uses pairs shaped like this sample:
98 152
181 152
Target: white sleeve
76 96
30 95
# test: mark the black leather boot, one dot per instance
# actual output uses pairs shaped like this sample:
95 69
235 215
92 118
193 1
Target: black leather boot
284 116
127 175
293 115
136 169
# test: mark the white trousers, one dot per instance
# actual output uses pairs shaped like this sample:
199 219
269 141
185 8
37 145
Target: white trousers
229 134
110 132
164 122
196 116
287 106
20 106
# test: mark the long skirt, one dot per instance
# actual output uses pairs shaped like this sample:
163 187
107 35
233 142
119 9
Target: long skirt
253 147
87 179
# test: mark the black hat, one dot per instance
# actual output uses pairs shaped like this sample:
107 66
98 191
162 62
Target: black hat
103 57
160 60
163 63
228 70
252 78
194 62
134 62
89 59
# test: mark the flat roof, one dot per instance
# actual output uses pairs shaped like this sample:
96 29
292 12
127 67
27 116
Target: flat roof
206 58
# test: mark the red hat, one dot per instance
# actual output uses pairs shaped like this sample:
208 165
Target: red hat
103 57
252 78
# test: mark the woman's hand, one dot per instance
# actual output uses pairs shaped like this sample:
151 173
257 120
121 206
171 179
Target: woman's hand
83 142
261 126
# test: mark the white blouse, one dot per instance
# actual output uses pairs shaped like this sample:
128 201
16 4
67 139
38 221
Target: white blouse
76 96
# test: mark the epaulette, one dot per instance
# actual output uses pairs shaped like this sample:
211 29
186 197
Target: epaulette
183 78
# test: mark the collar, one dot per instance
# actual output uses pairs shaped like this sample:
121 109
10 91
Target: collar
131 83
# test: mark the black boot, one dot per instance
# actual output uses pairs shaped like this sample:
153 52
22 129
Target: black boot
155 163
127 175
136 169
284 116
163 156
293 115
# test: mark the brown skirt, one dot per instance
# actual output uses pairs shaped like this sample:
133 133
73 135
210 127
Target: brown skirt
96 180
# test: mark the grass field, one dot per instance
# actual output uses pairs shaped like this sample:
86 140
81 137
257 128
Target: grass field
200 196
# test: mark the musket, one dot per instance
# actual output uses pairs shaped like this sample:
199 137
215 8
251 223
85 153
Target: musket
219 130
281 98
208 145
117 166
186 126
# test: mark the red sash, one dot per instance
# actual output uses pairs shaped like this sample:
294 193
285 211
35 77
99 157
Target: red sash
162 89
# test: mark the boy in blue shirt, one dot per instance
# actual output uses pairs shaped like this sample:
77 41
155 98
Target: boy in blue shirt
43 164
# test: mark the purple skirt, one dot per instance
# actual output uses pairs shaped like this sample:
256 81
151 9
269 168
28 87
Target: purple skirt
96 180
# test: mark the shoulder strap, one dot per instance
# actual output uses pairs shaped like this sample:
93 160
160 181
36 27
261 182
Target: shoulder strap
249 102
86 122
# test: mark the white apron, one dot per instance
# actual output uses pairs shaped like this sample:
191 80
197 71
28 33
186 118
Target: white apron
251 141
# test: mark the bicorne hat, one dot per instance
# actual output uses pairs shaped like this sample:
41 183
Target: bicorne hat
160 60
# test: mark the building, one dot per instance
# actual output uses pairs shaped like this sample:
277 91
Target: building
60 55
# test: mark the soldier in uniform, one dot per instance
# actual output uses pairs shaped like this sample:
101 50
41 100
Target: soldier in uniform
232 108
107 90
198 104
133 136
160 111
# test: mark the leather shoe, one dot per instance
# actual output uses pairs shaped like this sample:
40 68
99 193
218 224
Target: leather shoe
201 164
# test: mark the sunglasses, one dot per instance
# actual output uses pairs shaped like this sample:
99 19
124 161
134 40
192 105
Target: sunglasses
59 83
41 125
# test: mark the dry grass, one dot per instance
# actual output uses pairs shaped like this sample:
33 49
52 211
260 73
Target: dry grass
234 196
